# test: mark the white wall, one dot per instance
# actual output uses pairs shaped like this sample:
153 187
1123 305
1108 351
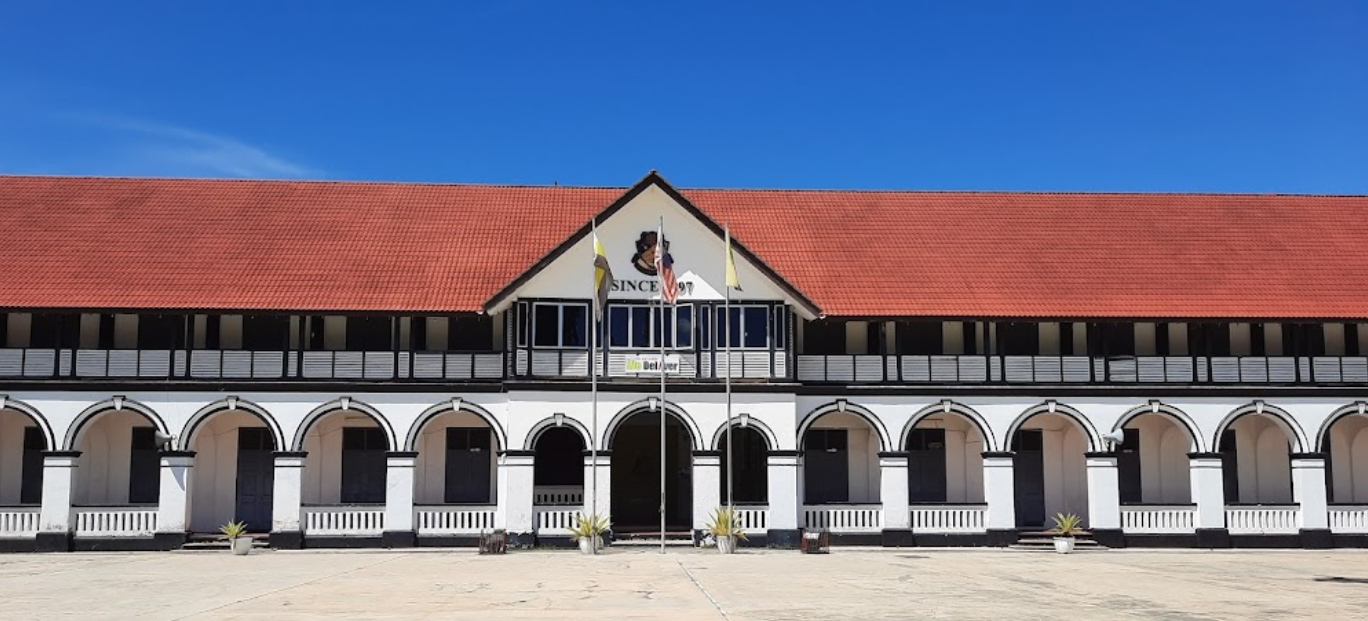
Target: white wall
430 476
1349 459
1265 467
963 457
863 445
213 500
323 466
1164 475
12 426
106 449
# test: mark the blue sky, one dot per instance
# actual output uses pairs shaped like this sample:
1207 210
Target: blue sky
1243 96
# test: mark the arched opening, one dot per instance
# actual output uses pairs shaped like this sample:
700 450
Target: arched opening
636 465
840 460
945 460
234 471
22 443
1346 450
746 450
558 467
346 460
1050 469
1256 460
120 461
457 460
1152 461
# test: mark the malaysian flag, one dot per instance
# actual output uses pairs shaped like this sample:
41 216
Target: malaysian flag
669 287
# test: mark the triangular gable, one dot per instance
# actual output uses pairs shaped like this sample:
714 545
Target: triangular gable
696 245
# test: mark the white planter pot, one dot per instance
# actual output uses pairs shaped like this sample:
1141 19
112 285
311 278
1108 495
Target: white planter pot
586 545
242 545
726 544
1064 545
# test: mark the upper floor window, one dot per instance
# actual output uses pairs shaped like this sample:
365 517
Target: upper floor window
639 327
563 325
748 327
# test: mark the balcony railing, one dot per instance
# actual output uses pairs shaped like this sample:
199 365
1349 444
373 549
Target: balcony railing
344 520
1349 519
566 363
454 519
853 518
554 519
132 521
1262 519
949 518
933 370
562 495
1158 519
213 364
18 521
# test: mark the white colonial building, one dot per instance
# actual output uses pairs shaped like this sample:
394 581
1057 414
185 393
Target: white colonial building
342 364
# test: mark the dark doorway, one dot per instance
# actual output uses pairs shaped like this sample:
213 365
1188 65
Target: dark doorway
636 474
750 485
826 466
926 465
363 465
1230 467
255 478
559 458
31 473
1028 470
468 465
1128 467
144 467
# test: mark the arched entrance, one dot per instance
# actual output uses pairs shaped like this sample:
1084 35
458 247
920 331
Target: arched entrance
1152 461
234 470
558 467
746 450
1049 466
120 461
945 459
22 442
1256 459
636 466
1345 444
457 459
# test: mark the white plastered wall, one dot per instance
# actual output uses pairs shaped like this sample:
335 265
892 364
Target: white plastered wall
963 457
12 426
1164 470
430 476
106 450
213 500
1349 459
1264 462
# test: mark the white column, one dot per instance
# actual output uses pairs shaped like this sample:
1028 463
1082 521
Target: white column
893 490
515 492
603 500
286 497
1308 489
1208 489
999 491
173 500
1104 492
59 472
399 471
783 490
707 487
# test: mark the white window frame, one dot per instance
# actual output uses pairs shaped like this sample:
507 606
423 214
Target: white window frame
560 325
718 329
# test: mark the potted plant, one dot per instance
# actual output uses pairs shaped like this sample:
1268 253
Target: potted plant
1065 529
588 531
236 534
725 529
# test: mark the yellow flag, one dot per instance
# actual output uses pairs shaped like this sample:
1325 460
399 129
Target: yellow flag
731 265
603 274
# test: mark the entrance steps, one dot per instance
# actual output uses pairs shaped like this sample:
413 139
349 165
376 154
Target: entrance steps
649 538
1043 541
211 541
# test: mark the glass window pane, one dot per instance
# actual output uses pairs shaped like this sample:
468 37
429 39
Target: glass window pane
662 333
756 326
684 324
617 326
546 325
575 326
704 326
780 327
641 327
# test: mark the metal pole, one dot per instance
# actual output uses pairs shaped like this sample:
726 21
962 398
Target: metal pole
726 306
593 385
660 258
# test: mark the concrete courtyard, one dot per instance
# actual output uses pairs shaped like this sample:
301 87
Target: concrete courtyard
639 583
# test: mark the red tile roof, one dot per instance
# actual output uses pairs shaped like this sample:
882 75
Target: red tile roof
117 243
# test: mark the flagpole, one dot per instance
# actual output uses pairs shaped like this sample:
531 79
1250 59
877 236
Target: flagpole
593 385
726 312
660 275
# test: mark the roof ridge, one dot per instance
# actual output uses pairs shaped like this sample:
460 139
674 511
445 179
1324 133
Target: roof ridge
308 181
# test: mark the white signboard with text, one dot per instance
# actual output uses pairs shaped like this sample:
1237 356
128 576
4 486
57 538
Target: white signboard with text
649 364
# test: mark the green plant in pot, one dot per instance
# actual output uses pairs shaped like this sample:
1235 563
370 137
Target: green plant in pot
588 531
236 534
1066 528
725 528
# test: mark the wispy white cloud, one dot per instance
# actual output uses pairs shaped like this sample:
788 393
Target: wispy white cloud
163 148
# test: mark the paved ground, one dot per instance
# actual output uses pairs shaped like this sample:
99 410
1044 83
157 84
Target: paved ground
685 584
